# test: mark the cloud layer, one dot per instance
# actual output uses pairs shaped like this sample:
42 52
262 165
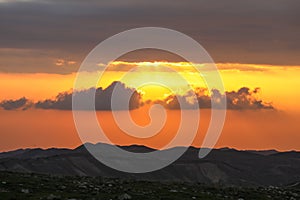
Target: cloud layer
243 99
40 32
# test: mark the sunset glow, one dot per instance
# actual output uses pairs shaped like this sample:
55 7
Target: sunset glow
271 80
277 85
131 99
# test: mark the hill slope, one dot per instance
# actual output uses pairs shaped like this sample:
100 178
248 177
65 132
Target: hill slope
221 166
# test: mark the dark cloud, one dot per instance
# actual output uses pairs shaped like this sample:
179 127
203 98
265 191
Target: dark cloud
19 104
249 31
103 98
243 99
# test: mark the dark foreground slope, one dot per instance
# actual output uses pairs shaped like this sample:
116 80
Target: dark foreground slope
221 166
22 186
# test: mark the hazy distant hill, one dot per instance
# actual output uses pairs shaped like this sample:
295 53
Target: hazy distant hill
222 166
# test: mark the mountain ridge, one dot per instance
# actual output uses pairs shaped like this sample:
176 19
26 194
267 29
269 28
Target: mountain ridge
222 166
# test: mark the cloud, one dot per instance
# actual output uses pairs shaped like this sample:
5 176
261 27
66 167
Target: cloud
153 66
64 63
19 104
265 31
243 99
170 66
247 67
103 98
129 98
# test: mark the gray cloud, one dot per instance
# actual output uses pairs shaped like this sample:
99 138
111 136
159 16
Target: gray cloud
103 98
243 99
19 104
250 31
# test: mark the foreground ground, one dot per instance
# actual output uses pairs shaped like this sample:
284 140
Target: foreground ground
34 186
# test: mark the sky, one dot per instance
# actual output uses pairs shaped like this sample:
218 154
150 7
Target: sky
254 43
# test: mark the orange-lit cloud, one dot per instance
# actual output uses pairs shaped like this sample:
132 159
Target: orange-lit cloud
63 63
163 66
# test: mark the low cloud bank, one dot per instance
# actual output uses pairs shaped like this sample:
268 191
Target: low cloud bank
103 98
243 99
19 104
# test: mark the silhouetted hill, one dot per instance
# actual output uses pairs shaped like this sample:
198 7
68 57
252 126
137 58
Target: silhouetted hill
222 166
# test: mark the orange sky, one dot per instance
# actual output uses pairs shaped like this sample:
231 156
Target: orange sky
242 130
260 129
42 47
277 83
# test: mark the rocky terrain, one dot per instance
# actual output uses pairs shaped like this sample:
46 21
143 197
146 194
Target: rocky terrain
24 186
